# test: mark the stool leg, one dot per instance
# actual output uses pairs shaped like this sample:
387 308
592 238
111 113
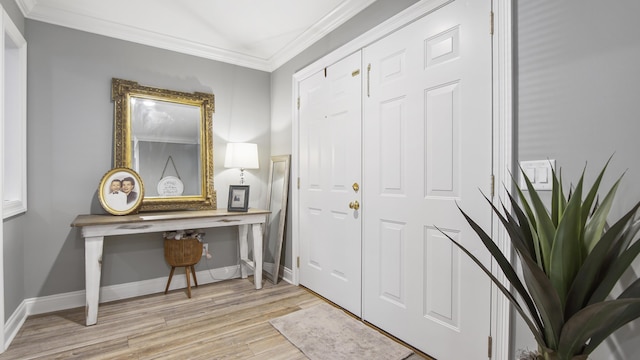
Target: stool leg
169 281
193 271
187 271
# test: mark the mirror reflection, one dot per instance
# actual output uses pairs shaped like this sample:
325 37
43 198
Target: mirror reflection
277 194
165 144
166 137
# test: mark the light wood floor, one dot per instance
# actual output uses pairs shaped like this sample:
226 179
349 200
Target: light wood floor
224 320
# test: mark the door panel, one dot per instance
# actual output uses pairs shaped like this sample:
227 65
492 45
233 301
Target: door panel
330 163
427 146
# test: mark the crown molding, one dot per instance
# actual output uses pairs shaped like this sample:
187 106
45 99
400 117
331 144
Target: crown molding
34 10
330 22
26 6
111 29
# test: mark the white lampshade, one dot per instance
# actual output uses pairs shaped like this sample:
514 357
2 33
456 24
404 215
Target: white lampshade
241 155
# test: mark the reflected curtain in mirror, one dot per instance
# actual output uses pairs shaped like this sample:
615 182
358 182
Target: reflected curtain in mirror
277 194
167 137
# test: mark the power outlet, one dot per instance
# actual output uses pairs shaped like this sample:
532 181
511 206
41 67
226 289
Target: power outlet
205 249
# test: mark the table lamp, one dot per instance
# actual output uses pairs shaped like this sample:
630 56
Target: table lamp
242 156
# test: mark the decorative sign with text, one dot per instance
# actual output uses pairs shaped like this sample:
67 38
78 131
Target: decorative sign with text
170 186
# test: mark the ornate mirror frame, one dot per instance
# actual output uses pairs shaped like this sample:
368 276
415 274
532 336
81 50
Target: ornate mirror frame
122 92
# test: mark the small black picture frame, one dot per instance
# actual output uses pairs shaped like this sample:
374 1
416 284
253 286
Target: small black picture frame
238 198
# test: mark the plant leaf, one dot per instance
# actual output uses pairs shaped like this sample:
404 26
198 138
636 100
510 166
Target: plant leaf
628 236
631 313
615 271
567 245
524 227
535 330
563 199
542 234
516 231
592 194
525 204
505 266
593 230
543 225
633 291
558 202
601 317
546 298
594 266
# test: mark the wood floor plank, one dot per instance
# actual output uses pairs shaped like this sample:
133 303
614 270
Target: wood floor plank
275 347
223 320
244 330
94 351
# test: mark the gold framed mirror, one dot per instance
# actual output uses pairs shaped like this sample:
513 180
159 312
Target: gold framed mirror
166 136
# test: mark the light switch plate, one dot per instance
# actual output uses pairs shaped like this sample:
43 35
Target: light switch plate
539 173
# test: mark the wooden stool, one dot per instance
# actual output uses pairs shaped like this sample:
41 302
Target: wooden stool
185 252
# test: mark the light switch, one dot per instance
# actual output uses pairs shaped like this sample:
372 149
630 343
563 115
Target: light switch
539 173
542 175
531 173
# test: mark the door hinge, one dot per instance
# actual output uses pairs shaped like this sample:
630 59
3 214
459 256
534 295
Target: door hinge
368 80
298 102
491 24
298 183
489 346
325 72
355 73
493 185
298 261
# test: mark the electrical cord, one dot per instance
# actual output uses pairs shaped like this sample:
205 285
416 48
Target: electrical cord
234 275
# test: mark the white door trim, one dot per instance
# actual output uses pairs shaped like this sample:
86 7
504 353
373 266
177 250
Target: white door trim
503 150
2 97
503 127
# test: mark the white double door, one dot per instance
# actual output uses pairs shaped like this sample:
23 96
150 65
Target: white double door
407 119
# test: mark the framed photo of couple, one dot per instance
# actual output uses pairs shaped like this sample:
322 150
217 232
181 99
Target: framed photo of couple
121 191
238 198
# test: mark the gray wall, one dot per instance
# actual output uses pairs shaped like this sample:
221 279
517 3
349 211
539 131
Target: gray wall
578 102
70 141
14 13
13 243
281 79
70 146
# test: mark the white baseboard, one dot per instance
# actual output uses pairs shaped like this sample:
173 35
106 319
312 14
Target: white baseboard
13 324
47 304
287 275
179 281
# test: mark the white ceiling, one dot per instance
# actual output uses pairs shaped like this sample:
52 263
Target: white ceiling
259 34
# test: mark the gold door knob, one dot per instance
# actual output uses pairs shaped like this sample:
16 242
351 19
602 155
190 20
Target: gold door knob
355 187
355 205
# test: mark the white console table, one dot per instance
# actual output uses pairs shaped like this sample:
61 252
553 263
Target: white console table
96 227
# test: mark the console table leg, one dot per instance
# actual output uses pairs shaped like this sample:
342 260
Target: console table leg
243 242
93 270
257 254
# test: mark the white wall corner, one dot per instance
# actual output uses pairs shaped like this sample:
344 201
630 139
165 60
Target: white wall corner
14 323
26 6
287 275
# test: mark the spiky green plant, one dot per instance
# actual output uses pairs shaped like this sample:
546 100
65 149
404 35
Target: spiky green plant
571 260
